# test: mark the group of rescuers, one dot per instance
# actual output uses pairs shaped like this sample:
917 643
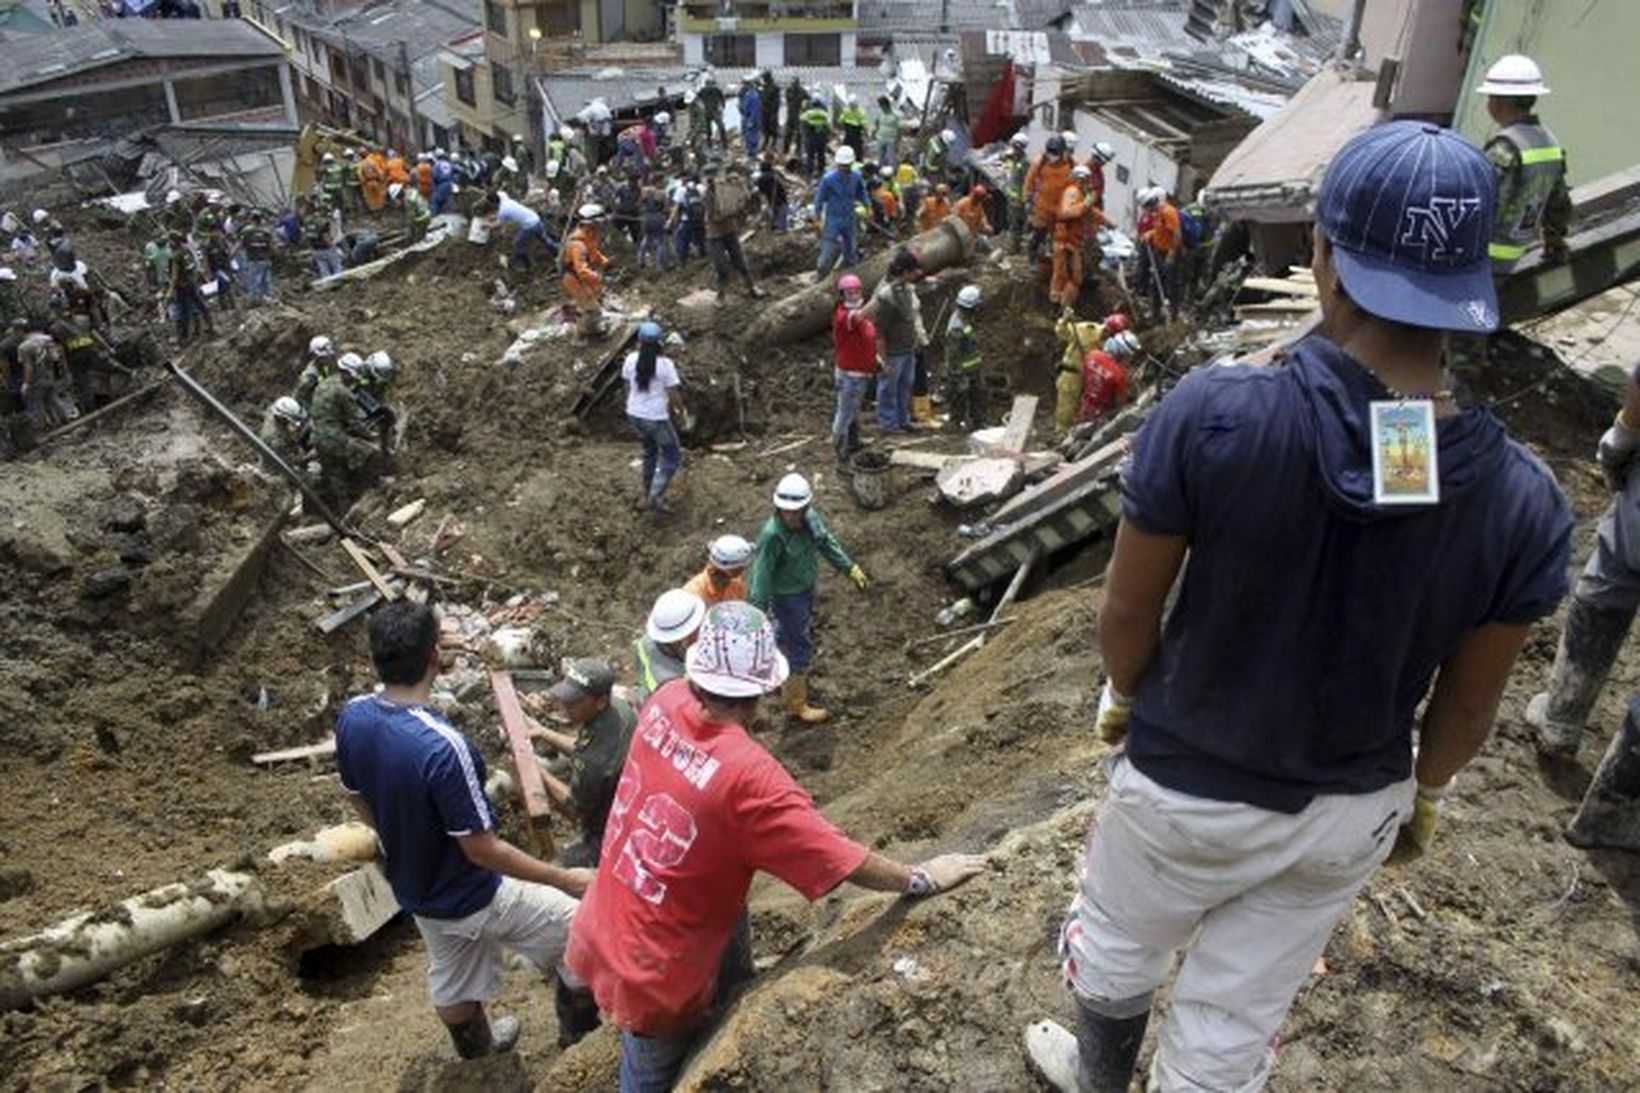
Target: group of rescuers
1267 749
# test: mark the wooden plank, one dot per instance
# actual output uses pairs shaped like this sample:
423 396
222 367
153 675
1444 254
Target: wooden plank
532 791
1018 430
394 558
289 755
605 374
927 461
87 418
342 616
1287 288
371 573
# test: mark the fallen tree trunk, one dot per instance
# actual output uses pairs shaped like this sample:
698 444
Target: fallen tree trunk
806 313
85 947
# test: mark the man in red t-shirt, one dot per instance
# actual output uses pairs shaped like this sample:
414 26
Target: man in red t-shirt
855 338
1105 377
701 808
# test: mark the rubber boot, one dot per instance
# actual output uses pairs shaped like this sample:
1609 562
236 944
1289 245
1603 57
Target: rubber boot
1610 814
922 409
478 1036
1588 646
1099 1059
796 694
577 1011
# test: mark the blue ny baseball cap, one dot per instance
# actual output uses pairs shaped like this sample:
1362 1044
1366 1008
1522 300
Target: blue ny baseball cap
1408 207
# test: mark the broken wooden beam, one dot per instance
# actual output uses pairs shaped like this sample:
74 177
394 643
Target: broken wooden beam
344 615
289 755
532 791
978 640
368 568
103 411
606 373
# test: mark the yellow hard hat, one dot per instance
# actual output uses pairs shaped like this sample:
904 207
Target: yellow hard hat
906 174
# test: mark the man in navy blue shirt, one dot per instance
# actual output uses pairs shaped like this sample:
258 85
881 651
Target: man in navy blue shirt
420 784
1355 532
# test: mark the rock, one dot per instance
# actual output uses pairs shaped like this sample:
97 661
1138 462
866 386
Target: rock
134 549
1561 1035
104 583
126 514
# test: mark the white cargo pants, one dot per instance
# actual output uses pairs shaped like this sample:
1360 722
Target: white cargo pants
1250 895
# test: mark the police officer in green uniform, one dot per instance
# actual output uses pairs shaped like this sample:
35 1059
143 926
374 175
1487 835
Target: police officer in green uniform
964 386
1533 203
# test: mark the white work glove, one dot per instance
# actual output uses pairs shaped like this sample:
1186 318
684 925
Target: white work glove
943 873
1616 452
1112 719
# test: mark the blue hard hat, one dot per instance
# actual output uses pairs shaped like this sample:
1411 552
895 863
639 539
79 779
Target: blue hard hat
649 332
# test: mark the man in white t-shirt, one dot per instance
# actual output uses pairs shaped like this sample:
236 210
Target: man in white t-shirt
530 226
653 395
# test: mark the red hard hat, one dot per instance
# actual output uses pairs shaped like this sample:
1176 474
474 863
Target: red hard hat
979 192
1115 324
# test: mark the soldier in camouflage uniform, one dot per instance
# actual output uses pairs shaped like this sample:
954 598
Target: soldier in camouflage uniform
349 454
1533 202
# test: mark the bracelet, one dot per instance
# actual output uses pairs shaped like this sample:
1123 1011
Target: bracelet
920 884
1622 421
1434 793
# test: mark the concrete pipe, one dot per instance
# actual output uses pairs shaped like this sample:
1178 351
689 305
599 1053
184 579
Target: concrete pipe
807 313
88 946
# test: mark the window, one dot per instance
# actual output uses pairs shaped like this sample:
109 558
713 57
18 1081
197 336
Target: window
732 50
359 69
814 49
501 83
401 84
379 69
558 20
338 67
495 17
464 86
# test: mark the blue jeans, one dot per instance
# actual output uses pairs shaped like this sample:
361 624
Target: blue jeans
686 236
521 243
749 136
791 628
662 455
851 391
654 243
258 279
894 390
650 1065
835 242
327 261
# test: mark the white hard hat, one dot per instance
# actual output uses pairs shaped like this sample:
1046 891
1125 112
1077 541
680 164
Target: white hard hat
968 296
40 216
1122 345
1069 136
688 98
1104 151
845 156
792 493
172 196
1151 195
288 408
565 133
736 656
7 274
329 157
729 552
1514 75
675 616
949 136
1081 170
395 190
553 167
439 152
1019 140
379 364
351 363
509 163
321 346
590 211
663 117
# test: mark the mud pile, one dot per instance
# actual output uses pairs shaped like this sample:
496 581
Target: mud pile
126 752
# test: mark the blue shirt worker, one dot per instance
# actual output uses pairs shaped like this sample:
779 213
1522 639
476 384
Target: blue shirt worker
1359 536
420 784
785 571
835 199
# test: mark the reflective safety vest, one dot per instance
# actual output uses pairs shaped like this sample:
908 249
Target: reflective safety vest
1523 193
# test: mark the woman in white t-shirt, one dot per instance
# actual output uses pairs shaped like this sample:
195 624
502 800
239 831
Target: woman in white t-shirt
653 395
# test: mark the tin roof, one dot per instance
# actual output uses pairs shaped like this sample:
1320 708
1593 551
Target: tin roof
32 59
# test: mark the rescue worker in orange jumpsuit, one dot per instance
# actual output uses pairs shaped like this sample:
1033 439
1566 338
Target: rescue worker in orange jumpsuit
970 209
1160 238
1045 184
583 269
373 180
1076 214
422 173
934 208
397 170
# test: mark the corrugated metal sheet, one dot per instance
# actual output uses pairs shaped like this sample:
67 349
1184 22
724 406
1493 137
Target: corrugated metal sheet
568 91
32 59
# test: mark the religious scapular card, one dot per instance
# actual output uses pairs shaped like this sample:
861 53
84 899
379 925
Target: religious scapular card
1404 469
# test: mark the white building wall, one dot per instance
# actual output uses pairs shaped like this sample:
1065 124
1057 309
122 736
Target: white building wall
694 49
1144 164
770 50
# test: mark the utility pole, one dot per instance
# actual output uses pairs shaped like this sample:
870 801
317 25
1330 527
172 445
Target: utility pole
415 141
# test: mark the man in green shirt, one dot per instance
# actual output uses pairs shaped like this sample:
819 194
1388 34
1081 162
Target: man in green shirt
785 570
964 385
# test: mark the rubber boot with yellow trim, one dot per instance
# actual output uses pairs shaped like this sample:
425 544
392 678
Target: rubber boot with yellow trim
796 695
922 409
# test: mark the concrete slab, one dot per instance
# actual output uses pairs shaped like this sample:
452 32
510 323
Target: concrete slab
225 590
362 902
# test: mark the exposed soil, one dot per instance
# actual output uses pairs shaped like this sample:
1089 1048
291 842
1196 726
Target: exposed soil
1513 965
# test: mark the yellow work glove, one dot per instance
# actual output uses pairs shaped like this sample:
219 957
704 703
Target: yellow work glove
1416 835
1112 719
858 576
